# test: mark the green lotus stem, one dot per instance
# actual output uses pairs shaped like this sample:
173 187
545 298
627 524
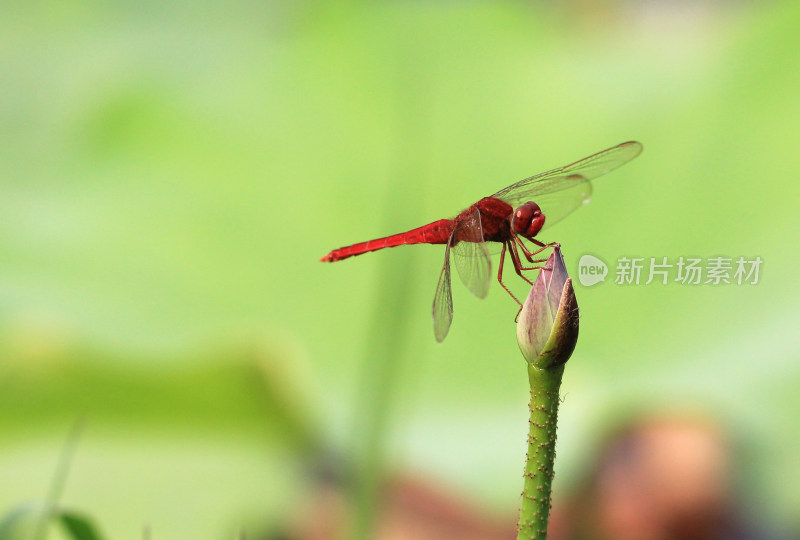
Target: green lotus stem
547 332
535 509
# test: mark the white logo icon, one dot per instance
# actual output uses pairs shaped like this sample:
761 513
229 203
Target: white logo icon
591 270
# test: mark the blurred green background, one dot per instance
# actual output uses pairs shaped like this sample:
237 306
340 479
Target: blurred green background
170 174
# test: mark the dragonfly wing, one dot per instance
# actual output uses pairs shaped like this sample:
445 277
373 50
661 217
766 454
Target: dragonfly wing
559 204
443 299
569 177
471 254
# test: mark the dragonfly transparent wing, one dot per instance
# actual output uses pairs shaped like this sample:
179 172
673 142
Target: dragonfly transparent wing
443 299
557 205
561 191
471 254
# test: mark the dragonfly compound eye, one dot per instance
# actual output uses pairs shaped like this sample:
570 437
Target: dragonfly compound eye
528 219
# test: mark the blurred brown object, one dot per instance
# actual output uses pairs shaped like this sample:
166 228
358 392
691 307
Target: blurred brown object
412 509
655 478
658 478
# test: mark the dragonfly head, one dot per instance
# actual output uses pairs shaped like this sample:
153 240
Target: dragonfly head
528 220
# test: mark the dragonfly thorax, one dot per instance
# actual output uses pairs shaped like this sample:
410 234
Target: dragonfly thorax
528 220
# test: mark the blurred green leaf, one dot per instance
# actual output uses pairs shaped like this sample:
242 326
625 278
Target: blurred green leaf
17 524
79 526
13 521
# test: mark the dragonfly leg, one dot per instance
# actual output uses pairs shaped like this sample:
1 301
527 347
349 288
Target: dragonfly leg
512 252
518 268
500 277
529 254
530 259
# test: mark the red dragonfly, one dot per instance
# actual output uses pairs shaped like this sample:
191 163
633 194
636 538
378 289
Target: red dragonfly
516 211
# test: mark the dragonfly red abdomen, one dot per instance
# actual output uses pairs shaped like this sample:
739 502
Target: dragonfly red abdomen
437 232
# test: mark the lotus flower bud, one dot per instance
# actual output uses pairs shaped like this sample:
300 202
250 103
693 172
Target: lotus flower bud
547 329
